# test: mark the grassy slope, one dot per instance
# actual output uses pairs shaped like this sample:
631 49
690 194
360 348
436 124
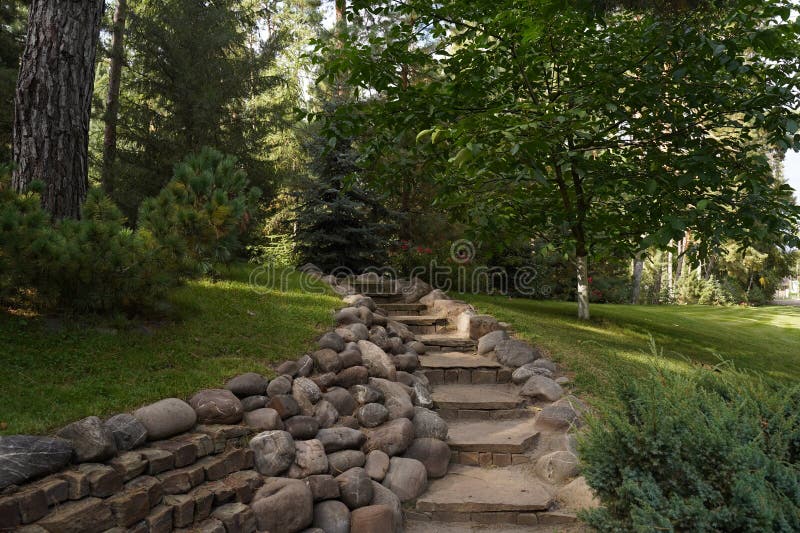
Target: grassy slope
53 373
616 341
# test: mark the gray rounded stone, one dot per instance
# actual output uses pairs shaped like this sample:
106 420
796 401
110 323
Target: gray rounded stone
416 347
377 362
372 415
383 496
305 365
542 388
340 438
545 363
91 441
217 406
327 360
249 384
408 361
264 419
488 342
274 452
407 478
364 394
433 453
558 467
288 367
341 400
25 457
284 505
350 357
332 516
515 353
377 464
251 403
326 414
392 438
355 488
396 398
279 385
332 341
166 418
285 405
429 424
343 460
309 459
352 376
325 380
306 393
525 372
348 315
127 431
301 427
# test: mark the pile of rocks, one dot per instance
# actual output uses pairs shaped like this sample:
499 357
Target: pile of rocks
337 441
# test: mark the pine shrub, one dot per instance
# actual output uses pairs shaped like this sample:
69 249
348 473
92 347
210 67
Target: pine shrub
700 452
201 214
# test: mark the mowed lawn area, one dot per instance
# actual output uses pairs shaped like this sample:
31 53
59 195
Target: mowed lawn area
764 340
54 371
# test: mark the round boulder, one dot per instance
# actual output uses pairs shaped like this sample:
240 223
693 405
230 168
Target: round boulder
524 373
340 438
264 419
383 496
341 400
372 519
279 385
342 461
515 353
301 427
24 457
166 418
332 516
283 504
309 459
249 384
377 464
327 360
355 488
372 415
285 405
488 342
217 406
542 388
274 452
127 431
364 394
351 376
434 454
406 477
427 423
331 341
396 398
251 403
392 438
325 413
557 467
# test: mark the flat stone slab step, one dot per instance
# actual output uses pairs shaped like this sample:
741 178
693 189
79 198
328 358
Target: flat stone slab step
403 307
452 342
420 320
485 523
447 360
485 397
498 436
469 489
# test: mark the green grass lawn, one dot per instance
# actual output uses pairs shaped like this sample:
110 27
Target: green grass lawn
765 340
54 371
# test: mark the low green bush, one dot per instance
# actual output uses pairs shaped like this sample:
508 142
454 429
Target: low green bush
201 214
706 451
98 263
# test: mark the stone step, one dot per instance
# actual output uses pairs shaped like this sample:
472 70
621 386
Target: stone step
466 490
448 343
420 320
496 436
480 397
462 368
500 522
404 308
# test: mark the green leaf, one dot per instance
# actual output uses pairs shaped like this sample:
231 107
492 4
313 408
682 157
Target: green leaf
424 133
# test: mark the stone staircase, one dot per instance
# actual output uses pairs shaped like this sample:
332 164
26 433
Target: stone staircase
496 437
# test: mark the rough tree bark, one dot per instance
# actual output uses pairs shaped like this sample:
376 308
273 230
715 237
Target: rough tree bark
112 98
583 286
52 102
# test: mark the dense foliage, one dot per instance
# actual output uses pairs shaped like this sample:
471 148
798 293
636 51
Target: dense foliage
98 263
604 132
12 34
696 452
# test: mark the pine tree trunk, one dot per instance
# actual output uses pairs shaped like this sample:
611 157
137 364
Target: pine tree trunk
112 99
53 100
583 287
638 267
